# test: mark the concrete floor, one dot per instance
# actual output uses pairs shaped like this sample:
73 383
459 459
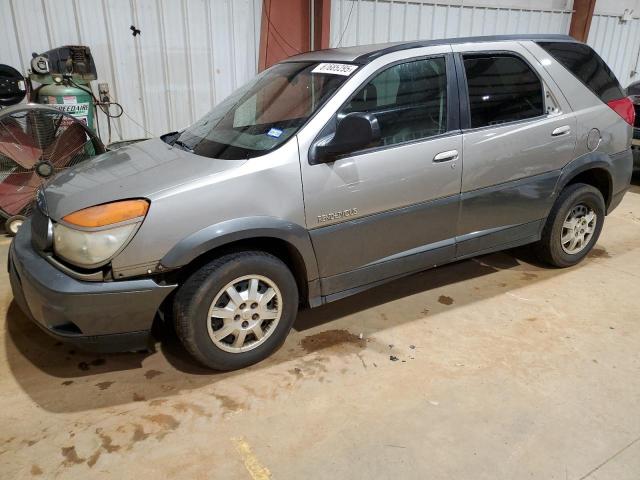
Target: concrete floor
505 370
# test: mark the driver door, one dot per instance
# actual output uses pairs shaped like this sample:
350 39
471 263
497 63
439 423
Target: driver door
390 209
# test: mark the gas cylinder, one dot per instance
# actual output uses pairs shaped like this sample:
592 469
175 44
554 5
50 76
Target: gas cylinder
70 99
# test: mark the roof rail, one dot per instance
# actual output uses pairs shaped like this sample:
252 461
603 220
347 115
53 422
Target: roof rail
369 56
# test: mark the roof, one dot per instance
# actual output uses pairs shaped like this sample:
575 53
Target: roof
363 54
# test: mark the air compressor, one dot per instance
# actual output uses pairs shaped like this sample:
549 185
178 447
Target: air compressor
65 75
37 141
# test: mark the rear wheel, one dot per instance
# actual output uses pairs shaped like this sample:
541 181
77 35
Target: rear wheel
573 226
236 310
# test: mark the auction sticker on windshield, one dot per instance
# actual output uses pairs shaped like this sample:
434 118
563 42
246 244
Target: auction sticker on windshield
335 69
274 132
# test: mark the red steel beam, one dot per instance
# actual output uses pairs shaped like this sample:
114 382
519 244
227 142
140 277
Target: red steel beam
286 29
581 19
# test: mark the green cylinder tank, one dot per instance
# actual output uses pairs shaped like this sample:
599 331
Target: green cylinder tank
72 100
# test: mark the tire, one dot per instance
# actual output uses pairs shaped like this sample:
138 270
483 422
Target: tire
13 224
550 248
198 327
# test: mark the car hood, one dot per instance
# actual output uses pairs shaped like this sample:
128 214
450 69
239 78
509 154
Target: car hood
134 171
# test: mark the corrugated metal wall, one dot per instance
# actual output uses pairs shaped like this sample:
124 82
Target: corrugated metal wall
618 43
193 53
359 22
190 55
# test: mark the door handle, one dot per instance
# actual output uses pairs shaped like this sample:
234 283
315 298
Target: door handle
446 156
561 131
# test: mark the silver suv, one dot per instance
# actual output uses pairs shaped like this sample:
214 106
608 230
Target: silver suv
329 173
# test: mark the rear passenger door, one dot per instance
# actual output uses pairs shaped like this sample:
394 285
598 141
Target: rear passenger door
518 132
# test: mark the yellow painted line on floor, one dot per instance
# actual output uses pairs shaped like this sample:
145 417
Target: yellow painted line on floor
251 462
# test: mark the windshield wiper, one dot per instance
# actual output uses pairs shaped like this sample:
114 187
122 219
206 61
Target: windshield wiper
184 146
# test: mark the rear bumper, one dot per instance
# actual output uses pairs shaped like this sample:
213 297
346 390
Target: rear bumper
622 165
99 316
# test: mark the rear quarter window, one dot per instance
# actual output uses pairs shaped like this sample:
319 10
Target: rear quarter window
588 67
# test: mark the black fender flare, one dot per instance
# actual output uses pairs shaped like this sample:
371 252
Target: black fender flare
588 161
224 233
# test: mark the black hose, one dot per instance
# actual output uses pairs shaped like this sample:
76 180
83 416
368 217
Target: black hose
98 102
104 107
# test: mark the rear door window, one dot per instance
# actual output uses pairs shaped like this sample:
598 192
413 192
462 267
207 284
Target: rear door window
588 67
502 88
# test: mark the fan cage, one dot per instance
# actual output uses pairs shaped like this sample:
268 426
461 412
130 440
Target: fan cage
36 142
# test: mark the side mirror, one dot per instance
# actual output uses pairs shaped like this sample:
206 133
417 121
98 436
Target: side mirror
354 131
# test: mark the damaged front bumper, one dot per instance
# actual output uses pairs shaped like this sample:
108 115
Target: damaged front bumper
98 316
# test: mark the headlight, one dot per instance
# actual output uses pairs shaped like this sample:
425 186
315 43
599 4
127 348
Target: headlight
88 249
92 236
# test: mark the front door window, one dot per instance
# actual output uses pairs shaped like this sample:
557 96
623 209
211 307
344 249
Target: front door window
409 100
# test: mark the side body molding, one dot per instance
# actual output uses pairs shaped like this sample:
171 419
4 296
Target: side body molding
229 231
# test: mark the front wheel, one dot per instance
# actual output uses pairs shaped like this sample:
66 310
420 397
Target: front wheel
573 226
236 310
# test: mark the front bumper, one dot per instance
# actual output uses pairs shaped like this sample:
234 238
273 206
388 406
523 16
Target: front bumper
99 316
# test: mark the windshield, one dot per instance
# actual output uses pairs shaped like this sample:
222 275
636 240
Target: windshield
263 114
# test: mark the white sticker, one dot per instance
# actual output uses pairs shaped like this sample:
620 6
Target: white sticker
335 69
274 132
69 100
78 110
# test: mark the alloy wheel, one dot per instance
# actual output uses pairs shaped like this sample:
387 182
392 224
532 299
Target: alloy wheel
244 313
578 228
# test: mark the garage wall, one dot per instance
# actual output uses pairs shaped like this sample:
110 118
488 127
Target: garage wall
618 43
190 54
359 22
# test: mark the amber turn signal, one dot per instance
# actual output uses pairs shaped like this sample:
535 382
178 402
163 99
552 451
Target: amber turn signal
108 213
